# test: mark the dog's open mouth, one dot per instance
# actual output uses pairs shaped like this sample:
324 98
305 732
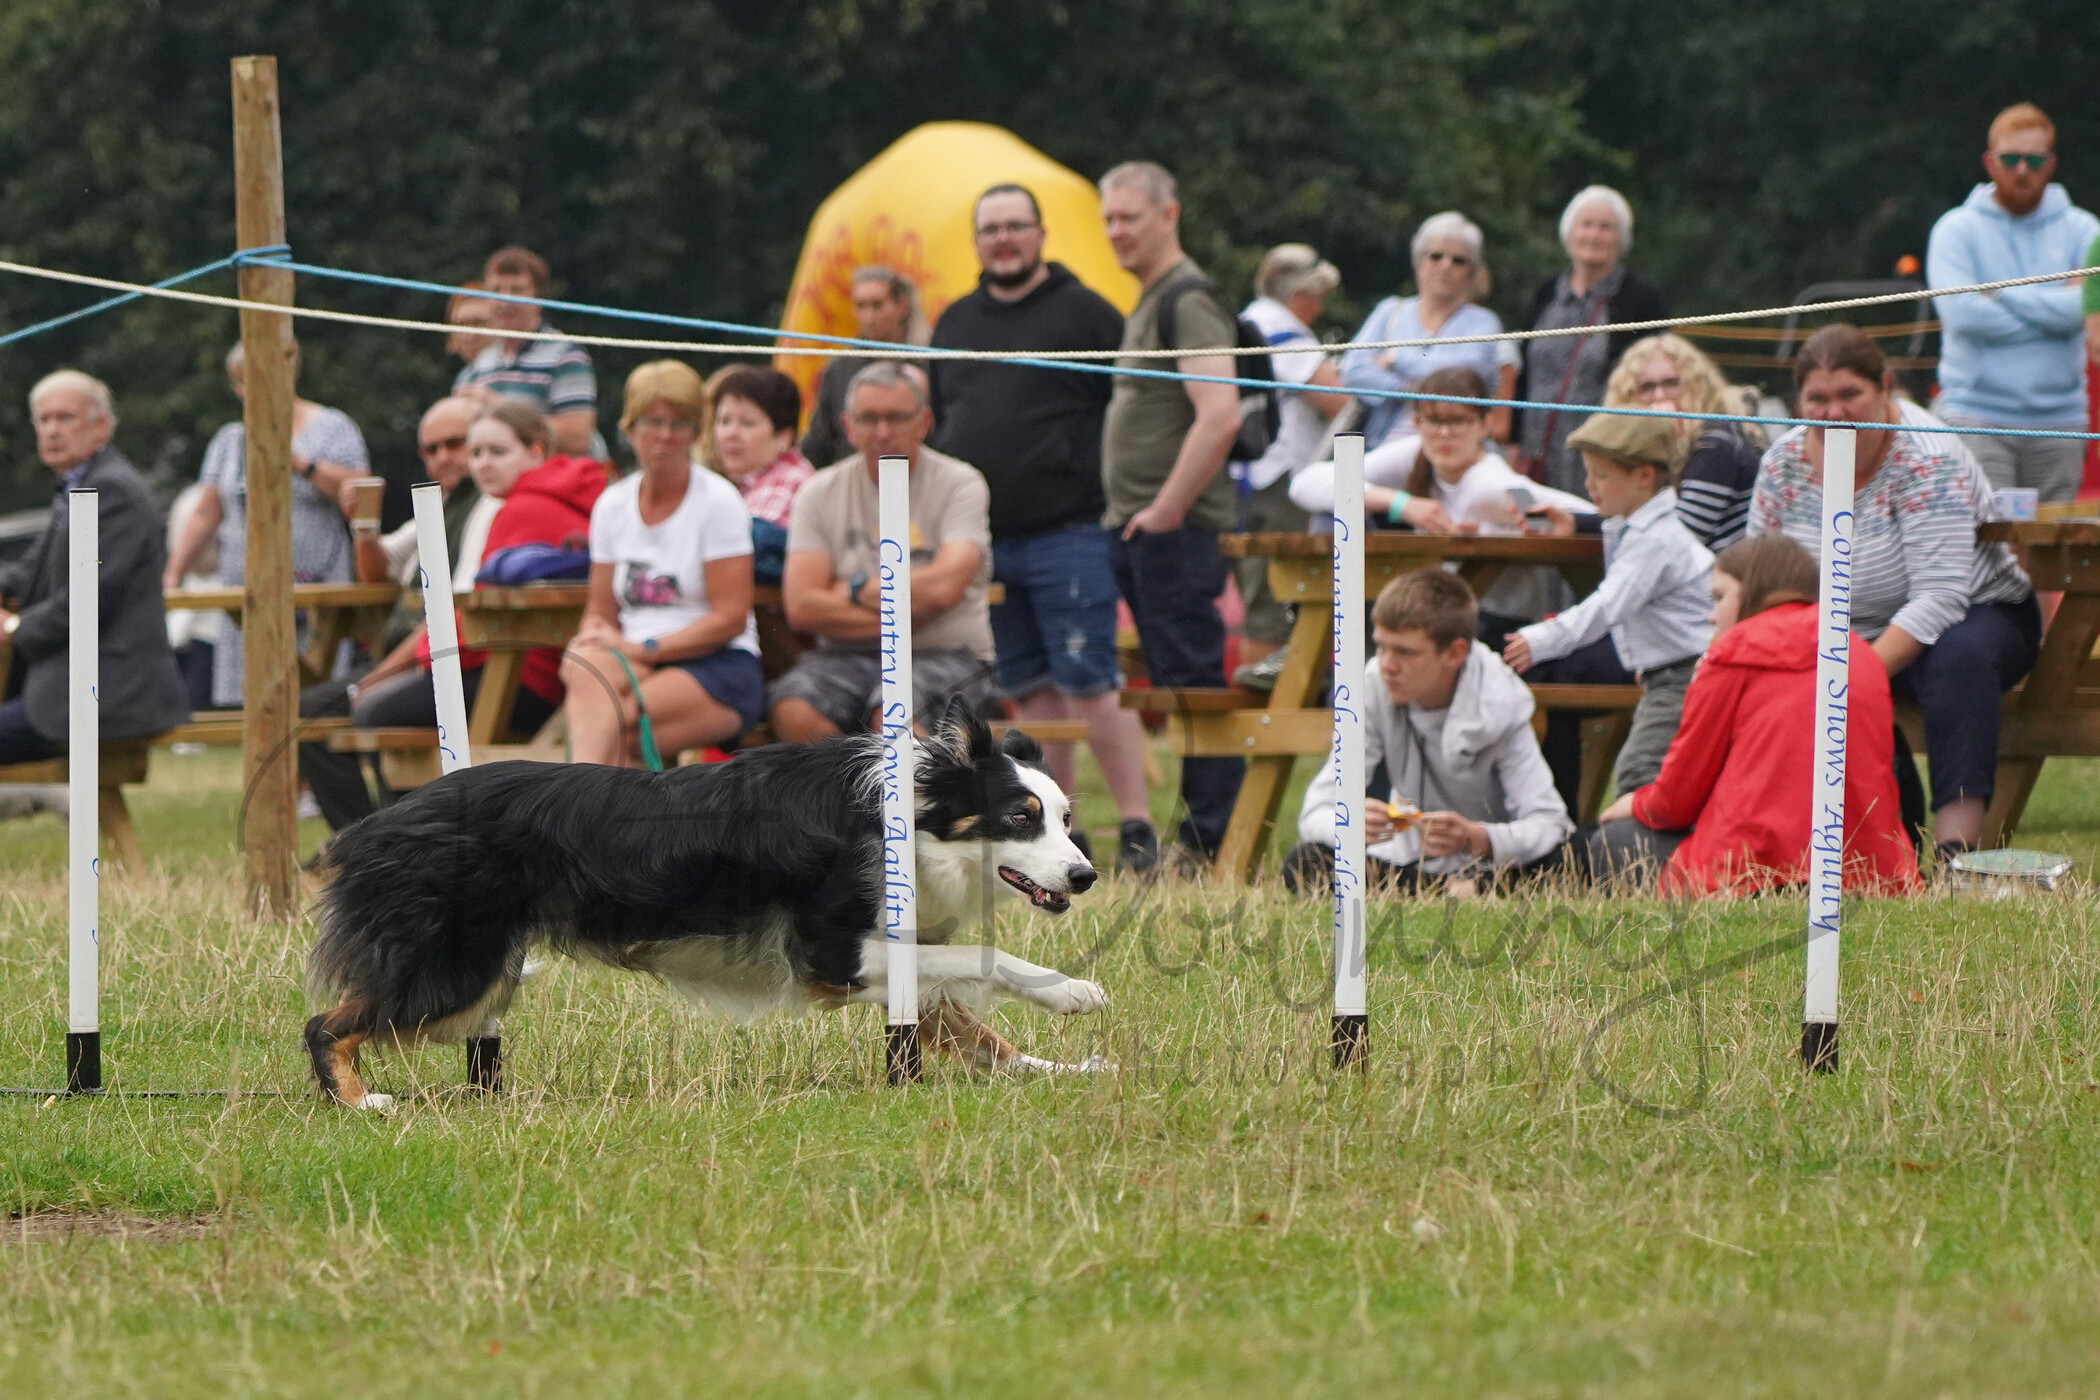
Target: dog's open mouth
1041 898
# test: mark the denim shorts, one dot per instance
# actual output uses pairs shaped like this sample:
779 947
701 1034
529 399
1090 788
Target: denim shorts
1057 626
731 677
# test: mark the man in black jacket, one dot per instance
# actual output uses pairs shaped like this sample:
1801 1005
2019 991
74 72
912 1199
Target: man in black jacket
1036 436
141 691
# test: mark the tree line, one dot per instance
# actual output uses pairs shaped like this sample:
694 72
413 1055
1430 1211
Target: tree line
670 156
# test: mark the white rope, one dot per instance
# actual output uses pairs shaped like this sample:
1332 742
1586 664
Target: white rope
925 352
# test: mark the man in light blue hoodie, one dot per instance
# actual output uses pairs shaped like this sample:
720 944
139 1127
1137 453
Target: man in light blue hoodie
2015 358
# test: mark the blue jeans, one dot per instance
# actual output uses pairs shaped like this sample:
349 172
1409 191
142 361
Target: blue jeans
18 742
1956 685
1172 581
1057 626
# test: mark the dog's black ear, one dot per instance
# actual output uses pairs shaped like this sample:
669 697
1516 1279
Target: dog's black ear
963 732
1022 748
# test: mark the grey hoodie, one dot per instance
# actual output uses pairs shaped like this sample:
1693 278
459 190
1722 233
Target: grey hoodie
1485 765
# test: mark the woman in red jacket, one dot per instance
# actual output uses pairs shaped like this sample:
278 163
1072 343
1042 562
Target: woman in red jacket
1729 813
527 497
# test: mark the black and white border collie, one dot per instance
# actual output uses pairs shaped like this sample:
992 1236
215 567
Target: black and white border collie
749 887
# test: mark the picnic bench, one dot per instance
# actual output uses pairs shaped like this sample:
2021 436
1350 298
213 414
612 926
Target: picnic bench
2055 712
1271 732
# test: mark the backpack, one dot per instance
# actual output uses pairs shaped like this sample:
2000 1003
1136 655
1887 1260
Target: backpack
1260 411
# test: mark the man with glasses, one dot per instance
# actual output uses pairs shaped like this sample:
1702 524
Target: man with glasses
1036 435
2015 358
338 779
830 587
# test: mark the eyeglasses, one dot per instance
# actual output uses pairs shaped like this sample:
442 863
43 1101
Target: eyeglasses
450 444
1437 255
1445 425
656 424
1010 229
1650 388
886 420
2013 160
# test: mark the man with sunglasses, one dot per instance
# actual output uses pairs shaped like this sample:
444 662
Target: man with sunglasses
338 779
1036 435
2015 358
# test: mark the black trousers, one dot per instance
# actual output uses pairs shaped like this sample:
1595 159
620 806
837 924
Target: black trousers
338 780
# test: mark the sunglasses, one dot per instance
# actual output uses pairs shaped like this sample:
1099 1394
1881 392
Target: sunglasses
1438 255
450 444
2013 160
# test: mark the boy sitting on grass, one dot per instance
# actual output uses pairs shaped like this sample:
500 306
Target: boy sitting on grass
1656 593
1453 734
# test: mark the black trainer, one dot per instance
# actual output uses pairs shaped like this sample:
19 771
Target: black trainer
1086 847
1137 847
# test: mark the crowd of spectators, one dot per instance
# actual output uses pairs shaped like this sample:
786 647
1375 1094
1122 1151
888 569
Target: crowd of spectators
1082 494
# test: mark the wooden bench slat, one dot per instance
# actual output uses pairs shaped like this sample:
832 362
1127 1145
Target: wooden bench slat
1192 700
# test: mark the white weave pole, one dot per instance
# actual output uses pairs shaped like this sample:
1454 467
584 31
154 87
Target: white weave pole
1351 996
900 901
443 625
84 791
1826 824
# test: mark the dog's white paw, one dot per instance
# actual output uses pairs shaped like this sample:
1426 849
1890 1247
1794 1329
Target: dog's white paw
1029 1064
375 1103
1071 997
533 967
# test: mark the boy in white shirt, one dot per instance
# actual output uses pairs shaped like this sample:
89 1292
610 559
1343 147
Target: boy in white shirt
1471 789
1656 593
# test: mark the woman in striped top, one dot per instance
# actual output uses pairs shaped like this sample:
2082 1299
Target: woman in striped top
1952 618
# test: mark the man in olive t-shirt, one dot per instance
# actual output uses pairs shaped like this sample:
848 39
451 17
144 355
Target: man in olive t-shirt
1163 449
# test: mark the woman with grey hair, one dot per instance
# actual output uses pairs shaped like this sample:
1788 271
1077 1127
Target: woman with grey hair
1596 289
1450 273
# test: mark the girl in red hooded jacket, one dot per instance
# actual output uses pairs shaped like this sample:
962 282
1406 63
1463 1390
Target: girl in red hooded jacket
544 500
1729 812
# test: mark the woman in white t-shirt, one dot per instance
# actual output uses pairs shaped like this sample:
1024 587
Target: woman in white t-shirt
667 633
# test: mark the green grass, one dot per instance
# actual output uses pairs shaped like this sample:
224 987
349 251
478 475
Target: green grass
666 1206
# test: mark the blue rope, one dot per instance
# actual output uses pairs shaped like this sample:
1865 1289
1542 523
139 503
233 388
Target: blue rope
845 342
231 260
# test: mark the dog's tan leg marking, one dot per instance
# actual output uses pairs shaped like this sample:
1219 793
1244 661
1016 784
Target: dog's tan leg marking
342 1067
954 1029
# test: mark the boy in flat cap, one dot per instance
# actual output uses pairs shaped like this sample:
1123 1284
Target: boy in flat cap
1656 596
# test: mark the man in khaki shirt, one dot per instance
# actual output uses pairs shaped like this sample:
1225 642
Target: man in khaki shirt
830 585
1163 450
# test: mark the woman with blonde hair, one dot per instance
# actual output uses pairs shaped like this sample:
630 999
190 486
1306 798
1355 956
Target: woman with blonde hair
1719 459
667 657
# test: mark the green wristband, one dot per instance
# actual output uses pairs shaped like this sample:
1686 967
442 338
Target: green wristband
1392 512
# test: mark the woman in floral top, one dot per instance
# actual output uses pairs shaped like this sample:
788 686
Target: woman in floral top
1953 619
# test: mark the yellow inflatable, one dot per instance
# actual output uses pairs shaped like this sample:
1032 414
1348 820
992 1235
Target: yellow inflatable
909 209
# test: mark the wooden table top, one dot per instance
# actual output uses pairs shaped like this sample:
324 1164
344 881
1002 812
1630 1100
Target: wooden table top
304 595
1528 549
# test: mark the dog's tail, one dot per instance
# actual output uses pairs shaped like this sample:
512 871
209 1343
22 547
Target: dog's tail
424 921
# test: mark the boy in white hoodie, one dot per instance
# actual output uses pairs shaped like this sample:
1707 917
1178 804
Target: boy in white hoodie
1455 740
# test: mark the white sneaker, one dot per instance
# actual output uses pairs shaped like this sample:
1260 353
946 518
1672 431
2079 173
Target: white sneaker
309 810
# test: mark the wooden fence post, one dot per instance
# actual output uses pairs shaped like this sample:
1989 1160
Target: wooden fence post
270 672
